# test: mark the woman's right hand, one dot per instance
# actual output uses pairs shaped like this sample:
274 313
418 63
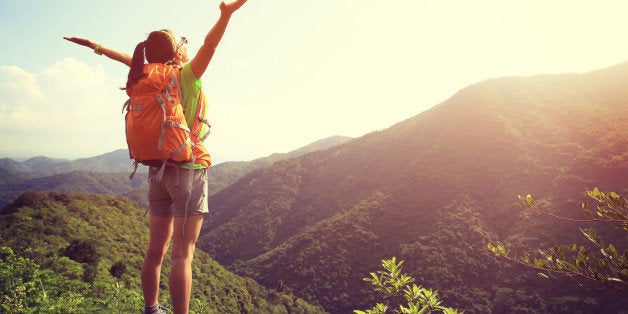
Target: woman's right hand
231 7
81 41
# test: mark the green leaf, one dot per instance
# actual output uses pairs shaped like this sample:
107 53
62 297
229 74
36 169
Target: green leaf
571 266
613 252
539 263
590 234
588 213
574 248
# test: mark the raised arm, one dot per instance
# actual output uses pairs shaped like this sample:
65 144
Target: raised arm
102 50
204 55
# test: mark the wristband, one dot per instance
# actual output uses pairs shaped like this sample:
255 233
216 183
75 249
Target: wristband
97 50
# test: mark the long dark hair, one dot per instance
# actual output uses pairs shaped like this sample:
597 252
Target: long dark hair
159 47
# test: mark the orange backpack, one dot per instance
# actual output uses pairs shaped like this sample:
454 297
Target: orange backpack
156 130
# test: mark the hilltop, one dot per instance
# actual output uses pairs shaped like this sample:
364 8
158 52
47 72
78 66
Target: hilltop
85 252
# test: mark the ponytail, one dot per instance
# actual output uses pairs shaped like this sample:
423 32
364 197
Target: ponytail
159 47
137 65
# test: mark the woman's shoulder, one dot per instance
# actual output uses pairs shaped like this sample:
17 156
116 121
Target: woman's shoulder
188 78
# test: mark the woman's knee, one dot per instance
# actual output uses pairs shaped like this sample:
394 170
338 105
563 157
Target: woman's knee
183 253
155 254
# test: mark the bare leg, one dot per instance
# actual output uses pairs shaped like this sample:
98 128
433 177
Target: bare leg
160 233
182 254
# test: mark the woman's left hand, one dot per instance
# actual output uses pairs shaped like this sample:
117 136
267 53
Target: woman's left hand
81 41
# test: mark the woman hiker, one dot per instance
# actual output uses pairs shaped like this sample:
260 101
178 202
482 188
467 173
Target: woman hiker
174 205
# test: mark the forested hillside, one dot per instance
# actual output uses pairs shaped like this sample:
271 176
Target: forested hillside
81 253
434 190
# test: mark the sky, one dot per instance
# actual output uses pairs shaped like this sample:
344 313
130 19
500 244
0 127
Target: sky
287 72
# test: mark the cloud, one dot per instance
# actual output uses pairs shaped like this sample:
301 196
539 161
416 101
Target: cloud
19 93
67 109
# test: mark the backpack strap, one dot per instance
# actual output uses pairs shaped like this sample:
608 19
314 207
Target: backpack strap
160 173
205 121
126 105
135 164
181 148
176 125
189 192
162 102
173 82
199 119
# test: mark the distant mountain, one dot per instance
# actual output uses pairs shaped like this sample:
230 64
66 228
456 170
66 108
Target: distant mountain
116 161
224 174
79 239
7 176
316 146
15 171
41 163
13 166
434 190
109 173
116 184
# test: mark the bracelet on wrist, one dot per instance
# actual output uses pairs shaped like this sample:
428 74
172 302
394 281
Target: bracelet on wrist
97 50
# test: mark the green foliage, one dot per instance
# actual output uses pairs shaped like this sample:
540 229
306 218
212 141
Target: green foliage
82 253
610 207
27 288
320 268
399 295
118 269
603 263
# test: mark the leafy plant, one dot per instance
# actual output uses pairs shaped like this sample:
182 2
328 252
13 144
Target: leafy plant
603 263
399 295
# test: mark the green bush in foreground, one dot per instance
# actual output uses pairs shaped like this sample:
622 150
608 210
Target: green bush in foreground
604 263
396 290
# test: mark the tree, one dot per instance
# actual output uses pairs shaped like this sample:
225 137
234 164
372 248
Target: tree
604 263
396 289
84 251
118 269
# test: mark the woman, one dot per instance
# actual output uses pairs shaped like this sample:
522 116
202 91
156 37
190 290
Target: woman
169 206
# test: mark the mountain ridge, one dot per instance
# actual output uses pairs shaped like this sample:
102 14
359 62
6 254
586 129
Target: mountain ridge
224 174
472 153
109 173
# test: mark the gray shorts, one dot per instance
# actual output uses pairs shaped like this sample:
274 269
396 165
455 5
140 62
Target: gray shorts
169 196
